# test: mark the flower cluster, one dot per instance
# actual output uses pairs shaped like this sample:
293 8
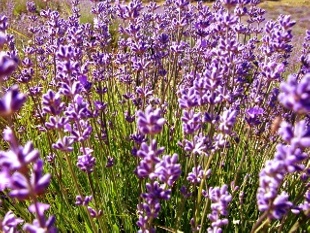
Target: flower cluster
200 83
162 171
288 157
220 199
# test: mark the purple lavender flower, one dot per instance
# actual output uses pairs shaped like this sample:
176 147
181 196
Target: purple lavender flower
168 170
290 158
64 144
150 157
52 103
253 115
191 121
110 162
196 175
86 162
19 157
86 84
198 146
93 213
83 200
41 224
31 6
12 101
296 96
281 205
227 120
287 160
150 121
9 223
7 64
3 23
220 198
22 189
156 191
188 98
297 136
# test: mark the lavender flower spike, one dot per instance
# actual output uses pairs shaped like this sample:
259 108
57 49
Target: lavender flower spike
7 64
9 223
22 189
294 95
150 121
41 224
12 101
220 198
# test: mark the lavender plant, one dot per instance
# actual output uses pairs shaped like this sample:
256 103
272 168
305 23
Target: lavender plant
172 117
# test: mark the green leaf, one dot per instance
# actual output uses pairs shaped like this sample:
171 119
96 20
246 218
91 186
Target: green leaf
115 229
88 230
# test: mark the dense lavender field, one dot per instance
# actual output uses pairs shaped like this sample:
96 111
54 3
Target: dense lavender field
179 117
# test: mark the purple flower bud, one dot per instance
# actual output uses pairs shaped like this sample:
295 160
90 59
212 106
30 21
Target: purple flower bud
150 121
3 39
220 198
18 158
22 189
12 101
52 103
64 144
93 213
86 162
168 170
83 201
110 162
10 222
196 175
7 64
294 95
3 23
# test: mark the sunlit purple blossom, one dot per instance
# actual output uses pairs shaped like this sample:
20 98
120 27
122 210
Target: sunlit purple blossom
168 169
17 158
150 121
41 224
83 200
150 157
297 135
64 144
12 101
220 198
253 115
10 222
196 175
52 103
86 162
295 95
22 189
191 121
227 120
